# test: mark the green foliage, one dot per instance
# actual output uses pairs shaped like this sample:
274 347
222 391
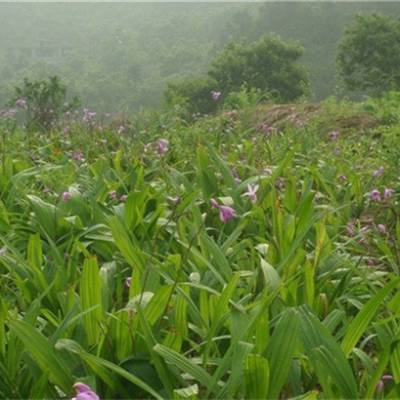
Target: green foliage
134 285
244 98
44 101
369 54
242 74
269 64
193 95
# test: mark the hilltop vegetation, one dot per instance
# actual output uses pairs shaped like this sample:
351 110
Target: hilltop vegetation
253 254
119 57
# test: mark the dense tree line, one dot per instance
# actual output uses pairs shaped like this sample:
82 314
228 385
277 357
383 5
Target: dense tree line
120 57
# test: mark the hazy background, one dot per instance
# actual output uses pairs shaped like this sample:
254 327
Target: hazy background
118 57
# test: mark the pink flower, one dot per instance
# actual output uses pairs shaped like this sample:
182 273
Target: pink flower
342 178
215 95
379 172
252 193
334 135
266 128
350 228
382 228
381 383
387 194
371 262
226 213
214 203
21 103
123 198
77 156
162 146
88 115
112 195
66 196
375 195
84 392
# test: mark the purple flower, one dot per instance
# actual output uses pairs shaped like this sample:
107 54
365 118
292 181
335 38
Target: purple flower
375 195
343 178
382 228
380 385
66 196
387 194
123 198
350 228
252 193
226 213
88 115
214 203
162 146
334 135
67 130
371 262
379 172
84 392
266 128
215 95
77 156
112 195
21 103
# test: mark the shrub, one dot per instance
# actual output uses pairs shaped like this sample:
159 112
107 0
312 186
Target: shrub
269 67
244 98
44 101
368 56
268 64
193 94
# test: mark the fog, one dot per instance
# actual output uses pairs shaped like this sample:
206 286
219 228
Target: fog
119 57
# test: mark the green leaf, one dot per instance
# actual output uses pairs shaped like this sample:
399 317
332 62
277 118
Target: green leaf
49 360
281 349
184 364
256 377
91 299
361 322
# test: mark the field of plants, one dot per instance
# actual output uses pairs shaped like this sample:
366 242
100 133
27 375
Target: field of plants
254 254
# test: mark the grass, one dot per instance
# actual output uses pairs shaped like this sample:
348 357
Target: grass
132 284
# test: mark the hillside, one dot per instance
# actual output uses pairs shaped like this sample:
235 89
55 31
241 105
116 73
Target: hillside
251 254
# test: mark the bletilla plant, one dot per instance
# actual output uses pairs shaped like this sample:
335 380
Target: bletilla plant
205 260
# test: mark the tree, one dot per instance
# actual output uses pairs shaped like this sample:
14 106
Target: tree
368 57
268 67
269 64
